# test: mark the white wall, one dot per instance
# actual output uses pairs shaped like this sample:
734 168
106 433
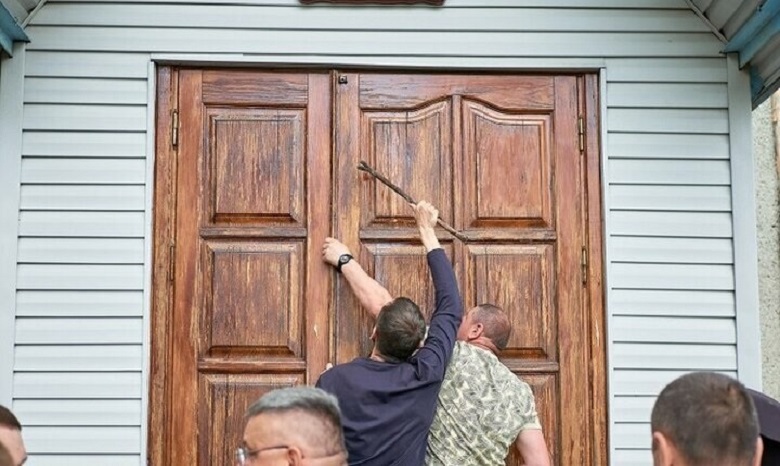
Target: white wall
80 307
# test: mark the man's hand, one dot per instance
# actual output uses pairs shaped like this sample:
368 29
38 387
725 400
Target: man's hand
332 250
425 214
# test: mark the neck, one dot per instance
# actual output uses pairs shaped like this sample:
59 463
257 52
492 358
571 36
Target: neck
376 356
484 343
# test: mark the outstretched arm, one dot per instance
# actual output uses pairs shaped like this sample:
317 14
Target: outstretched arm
532 447
368 291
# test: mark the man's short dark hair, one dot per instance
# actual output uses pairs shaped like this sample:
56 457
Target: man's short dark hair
710 419
7 419
400 327
495 323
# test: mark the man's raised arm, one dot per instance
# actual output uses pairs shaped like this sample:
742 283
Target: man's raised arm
368 291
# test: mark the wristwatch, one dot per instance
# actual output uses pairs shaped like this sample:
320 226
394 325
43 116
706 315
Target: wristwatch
343 260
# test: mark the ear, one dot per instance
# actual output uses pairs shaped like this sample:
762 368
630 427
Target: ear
759 451
294 456
663 450
476 331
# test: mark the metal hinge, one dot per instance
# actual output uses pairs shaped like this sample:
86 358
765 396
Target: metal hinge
175 128
171 262
584 265
581 131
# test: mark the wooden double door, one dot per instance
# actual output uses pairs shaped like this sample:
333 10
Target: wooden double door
256 167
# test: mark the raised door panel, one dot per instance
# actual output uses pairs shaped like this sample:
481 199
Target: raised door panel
253 306
257 165
545 389
520 280
506 168
412 148
224 399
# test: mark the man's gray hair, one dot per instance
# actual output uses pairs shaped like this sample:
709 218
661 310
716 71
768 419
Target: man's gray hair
311 401
307 399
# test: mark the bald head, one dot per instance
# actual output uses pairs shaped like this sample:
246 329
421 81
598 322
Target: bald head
495 323
304 417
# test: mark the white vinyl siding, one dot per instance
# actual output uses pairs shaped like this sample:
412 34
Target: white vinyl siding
81 271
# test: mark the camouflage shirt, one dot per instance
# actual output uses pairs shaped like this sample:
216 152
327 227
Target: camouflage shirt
481 409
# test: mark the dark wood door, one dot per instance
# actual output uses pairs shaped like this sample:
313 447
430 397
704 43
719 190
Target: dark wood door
248 186
500 158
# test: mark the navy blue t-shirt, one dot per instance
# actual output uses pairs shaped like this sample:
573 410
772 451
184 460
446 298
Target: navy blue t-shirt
387 408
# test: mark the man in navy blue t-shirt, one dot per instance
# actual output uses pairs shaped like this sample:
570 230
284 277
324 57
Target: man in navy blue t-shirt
388 399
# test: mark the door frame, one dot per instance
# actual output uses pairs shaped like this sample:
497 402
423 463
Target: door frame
163 232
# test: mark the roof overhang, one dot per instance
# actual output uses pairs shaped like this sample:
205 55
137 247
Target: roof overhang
10 31
751 29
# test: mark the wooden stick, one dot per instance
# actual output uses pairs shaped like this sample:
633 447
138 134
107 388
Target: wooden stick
363 166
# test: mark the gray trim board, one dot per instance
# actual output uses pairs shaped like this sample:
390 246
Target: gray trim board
11 107
744 225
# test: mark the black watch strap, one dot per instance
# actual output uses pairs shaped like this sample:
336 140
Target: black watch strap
343 260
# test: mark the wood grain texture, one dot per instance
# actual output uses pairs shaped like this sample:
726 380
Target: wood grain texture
253 189
246 196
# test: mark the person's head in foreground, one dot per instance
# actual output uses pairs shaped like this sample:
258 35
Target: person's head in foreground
11 436
704 418
293 426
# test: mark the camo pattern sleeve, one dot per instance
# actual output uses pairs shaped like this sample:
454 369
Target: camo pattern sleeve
481 409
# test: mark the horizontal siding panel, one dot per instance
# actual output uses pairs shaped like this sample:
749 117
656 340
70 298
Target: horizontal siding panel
86 460
679 303
85 224
632 457
79 277
632 435
84 117
78 412
79 303
655 95
85 385
82 358
632 408
81 250
640 356
670 172
646 383
80 144
684 224
91 197
398 19
85 91
79 331
674 70
672 276
334 43
669 198
93 440
86 64
668 146
671 250
668 121
83 171
643 4
629 329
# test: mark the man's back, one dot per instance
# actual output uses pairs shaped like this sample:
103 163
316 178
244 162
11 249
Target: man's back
387 408
482 407
389 411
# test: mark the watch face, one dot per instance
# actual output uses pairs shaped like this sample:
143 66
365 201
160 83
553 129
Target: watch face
344 258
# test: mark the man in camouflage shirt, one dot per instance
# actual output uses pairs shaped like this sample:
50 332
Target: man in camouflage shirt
482 408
